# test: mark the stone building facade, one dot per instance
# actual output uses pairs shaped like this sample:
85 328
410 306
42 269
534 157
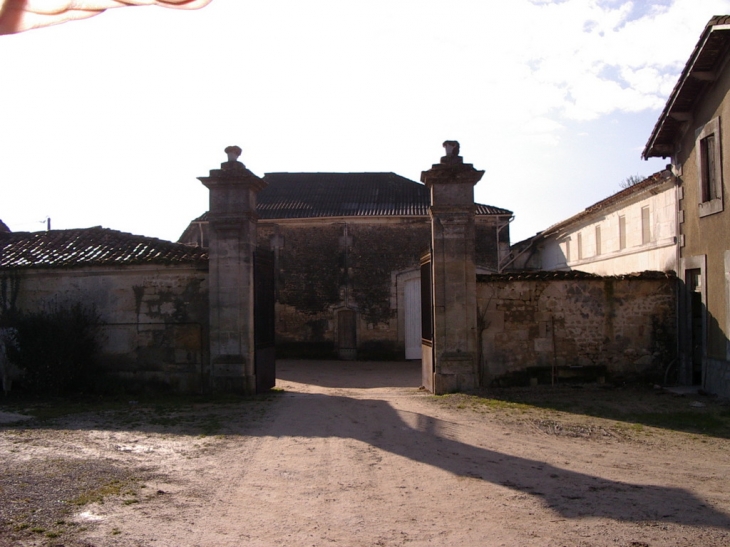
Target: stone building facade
692 131
633 230
347 248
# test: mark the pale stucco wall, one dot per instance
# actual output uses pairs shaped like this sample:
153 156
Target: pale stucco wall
704 241
560 251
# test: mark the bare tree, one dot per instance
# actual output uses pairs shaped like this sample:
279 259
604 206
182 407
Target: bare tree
631 180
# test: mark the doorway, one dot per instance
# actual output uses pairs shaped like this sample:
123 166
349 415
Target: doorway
347 335
695 323
412 301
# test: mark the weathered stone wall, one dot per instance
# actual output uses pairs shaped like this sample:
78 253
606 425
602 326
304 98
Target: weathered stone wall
575 323
155 319
329 266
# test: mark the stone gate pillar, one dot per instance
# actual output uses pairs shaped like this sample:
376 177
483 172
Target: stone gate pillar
451 184
232 226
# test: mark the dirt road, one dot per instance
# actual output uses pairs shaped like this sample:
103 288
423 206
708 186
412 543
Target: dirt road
355 455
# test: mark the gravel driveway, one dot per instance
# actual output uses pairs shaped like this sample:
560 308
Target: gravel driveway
354 454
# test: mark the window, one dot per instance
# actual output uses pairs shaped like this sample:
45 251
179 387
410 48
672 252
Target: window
567 251
709 164
621 232
645 226
580 246
598 241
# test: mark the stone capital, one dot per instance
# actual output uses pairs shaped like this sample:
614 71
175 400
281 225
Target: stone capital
451 169
451 173
233 173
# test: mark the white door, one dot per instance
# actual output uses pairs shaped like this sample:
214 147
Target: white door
412 292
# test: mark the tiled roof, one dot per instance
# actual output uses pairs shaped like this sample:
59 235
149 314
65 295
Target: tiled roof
307 195
3 227
567 276
699 73
657 179
91 247
318 195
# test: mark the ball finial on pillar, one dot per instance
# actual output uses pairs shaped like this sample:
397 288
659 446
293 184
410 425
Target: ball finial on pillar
233 152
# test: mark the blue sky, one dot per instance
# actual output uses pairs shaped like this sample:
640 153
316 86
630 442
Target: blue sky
108 121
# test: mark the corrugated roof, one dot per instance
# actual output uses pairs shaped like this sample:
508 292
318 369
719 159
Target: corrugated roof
707 56
91 247
322 195
307 195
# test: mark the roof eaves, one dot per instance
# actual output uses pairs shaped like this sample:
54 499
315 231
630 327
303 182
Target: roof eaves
716 23
657 179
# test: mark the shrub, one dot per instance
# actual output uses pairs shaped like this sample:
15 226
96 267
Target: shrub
57 349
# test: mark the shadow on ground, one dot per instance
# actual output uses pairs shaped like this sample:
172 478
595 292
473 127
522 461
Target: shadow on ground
419 437
634 405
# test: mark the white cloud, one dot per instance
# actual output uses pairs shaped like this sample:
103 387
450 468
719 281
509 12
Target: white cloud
143 101
602 60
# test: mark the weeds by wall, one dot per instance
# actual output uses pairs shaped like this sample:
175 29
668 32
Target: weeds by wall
57 349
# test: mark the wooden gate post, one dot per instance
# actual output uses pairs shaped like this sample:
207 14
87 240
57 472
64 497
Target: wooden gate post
451 184
232 221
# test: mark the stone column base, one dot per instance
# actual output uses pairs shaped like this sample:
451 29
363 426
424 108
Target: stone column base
231 378
234 384
455 372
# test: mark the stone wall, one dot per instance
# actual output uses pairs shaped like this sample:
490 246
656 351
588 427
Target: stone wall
155 318
328 266
576 325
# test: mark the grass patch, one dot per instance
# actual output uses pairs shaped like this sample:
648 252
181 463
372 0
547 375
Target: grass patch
97 495
633 408
704 422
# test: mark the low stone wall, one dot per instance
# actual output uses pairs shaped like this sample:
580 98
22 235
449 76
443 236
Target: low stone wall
154 318
536 327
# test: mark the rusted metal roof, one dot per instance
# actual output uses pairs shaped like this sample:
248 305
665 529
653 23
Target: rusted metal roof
699 73
91 247
567 276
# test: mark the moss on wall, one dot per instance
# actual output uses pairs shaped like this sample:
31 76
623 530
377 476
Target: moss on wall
377 252
309 268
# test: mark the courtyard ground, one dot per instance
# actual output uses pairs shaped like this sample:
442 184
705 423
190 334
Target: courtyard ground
354 454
